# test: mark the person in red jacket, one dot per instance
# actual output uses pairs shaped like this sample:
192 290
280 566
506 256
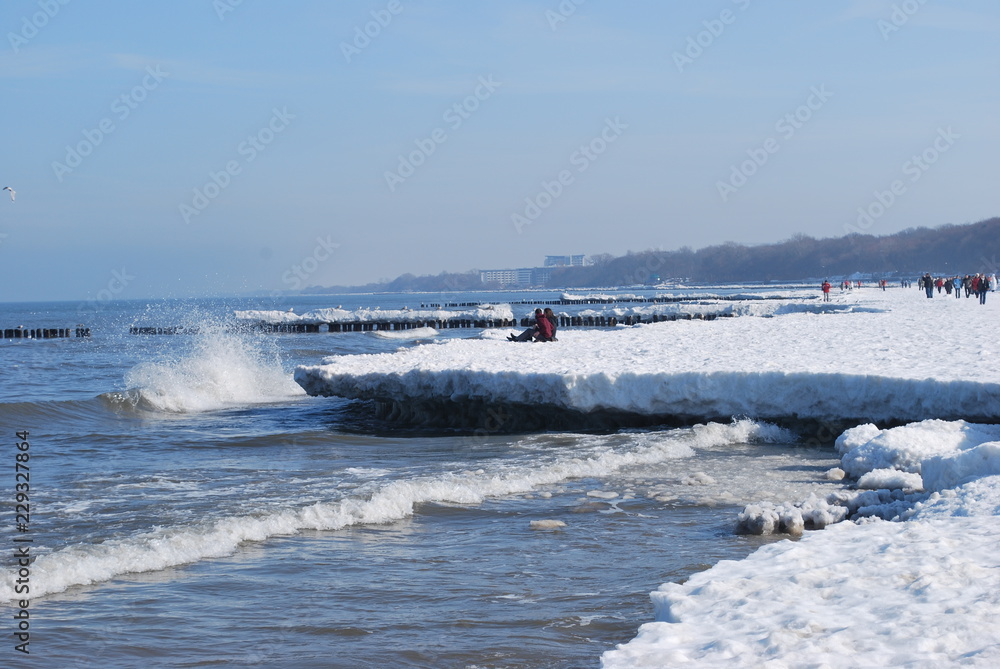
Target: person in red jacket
552 319
546 329
826 291
543 330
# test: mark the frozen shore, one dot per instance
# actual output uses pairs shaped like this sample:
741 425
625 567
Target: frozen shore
484 312
918 587
868 355
913 581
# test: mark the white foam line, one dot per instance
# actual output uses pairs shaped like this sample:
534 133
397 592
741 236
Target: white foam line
164 548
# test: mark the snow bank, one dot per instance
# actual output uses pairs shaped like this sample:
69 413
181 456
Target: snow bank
619 306
813 514
866 355
866 448
608 297
336 315
924 592
738 292
718 308
947 471
415 333
890 467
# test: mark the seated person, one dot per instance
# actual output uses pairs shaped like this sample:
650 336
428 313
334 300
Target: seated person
553 320
543 330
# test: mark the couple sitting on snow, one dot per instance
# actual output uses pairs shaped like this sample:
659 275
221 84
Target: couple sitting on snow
544 329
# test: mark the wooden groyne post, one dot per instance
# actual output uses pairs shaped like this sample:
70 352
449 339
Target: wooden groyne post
395 326
21 332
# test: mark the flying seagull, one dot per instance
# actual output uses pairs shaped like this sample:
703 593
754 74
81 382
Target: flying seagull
12 192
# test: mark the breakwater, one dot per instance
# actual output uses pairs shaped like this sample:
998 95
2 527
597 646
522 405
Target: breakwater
590 321
21 332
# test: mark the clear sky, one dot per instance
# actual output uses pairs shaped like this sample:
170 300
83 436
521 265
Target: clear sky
190 148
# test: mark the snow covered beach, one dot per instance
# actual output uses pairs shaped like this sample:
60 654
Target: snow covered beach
369 315
913 582
867 355
920 588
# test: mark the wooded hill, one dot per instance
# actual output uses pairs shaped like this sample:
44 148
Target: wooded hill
949 249
946 250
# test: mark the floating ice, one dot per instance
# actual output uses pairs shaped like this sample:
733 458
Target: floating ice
920 592
415 333
699 478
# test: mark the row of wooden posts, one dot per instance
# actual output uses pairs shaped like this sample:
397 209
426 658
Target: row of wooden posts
392 326
638 299
45 333
564 321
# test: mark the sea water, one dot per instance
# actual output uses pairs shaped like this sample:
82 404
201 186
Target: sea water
190 506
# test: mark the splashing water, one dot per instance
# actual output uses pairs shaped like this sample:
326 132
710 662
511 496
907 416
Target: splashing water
219 369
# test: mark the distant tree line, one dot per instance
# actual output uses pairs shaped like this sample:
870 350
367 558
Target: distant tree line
949 249
945 250
443 282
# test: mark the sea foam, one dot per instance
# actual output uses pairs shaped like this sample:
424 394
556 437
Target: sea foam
376 503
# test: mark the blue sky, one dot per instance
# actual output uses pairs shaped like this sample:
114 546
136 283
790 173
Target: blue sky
191 148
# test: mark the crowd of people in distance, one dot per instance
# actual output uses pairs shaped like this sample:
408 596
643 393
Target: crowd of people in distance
546 322
844 285
544 328
971 284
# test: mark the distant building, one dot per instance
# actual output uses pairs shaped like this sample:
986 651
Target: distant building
505 277
540 276
522 277
565 261
525 277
